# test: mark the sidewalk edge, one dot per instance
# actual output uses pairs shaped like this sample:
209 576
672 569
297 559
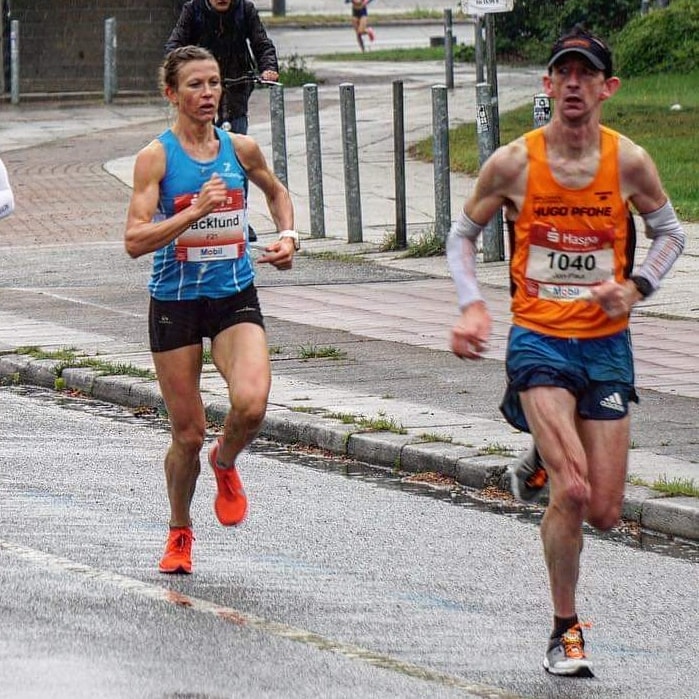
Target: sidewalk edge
652 511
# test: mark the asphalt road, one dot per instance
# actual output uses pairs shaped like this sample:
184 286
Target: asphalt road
339 584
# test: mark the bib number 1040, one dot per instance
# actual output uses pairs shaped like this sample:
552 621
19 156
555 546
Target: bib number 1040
562 261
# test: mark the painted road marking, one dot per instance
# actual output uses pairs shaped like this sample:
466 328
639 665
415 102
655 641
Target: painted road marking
235 616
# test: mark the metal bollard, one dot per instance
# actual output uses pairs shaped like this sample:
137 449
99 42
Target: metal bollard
448 49
110 59
314 165
399 165
440 148
276 108
353 201
493 238
14 61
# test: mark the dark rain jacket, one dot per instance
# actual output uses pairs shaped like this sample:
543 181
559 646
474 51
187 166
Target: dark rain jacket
238 40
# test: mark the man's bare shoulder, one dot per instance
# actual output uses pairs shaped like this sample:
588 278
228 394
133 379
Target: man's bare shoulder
509 160
631 155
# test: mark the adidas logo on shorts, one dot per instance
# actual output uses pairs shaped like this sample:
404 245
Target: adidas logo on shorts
613 402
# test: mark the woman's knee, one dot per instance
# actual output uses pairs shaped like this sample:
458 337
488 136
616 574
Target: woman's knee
251 412
189 435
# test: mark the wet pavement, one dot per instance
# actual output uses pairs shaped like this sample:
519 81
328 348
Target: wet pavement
72 191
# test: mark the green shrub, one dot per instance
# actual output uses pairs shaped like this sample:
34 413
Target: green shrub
294 73
662 41
528 31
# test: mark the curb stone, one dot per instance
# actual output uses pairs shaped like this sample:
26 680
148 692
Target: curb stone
673 516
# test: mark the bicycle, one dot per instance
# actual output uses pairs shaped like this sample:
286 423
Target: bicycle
251 78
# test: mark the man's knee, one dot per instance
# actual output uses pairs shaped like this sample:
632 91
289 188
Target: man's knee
572 496
604 517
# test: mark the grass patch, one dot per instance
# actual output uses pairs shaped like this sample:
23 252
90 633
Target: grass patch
640 110
67 358
293 72
434 437
495 448
672 486
313 352
381 423
677 486
427 244
417 54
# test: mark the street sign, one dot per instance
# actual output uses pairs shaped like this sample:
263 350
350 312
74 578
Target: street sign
480 7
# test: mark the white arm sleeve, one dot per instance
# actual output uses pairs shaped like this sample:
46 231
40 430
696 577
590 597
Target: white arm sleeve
461 257
668 240
7 200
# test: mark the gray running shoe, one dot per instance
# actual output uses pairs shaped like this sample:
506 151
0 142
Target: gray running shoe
566 655
528 477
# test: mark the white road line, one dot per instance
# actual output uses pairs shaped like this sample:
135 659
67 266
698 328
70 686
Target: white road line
79 302
235 616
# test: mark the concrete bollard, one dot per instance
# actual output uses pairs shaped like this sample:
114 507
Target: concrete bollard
276 108
440 150
353 200
314 161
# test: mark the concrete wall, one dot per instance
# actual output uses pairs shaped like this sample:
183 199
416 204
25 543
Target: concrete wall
62 43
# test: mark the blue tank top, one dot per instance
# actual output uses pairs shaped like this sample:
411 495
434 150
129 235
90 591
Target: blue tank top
210 259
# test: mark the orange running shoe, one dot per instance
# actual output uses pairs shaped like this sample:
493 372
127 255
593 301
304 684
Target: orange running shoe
528 477
566 654
231 503
178 551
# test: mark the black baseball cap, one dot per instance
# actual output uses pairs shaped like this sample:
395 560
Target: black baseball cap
587 45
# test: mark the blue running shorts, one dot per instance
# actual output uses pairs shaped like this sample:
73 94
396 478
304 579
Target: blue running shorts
598 372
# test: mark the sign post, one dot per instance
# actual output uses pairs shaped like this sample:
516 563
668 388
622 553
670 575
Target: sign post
481 7
488 115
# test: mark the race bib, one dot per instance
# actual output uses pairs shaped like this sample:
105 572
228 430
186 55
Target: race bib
219 235
564 265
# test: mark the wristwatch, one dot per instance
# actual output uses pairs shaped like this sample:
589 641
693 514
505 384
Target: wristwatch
644 287
291 234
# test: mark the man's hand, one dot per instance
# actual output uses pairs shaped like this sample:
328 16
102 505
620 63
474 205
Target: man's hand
279 254
470 334
270 75
615 299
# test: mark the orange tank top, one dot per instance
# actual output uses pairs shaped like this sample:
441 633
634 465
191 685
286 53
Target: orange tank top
566 240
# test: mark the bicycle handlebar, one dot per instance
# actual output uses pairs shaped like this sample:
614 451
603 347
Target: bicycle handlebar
249 78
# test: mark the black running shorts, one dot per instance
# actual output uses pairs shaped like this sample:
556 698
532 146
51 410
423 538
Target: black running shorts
174 324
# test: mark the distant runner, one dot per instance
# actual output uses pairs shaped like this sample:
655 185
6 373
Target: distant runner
360 18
